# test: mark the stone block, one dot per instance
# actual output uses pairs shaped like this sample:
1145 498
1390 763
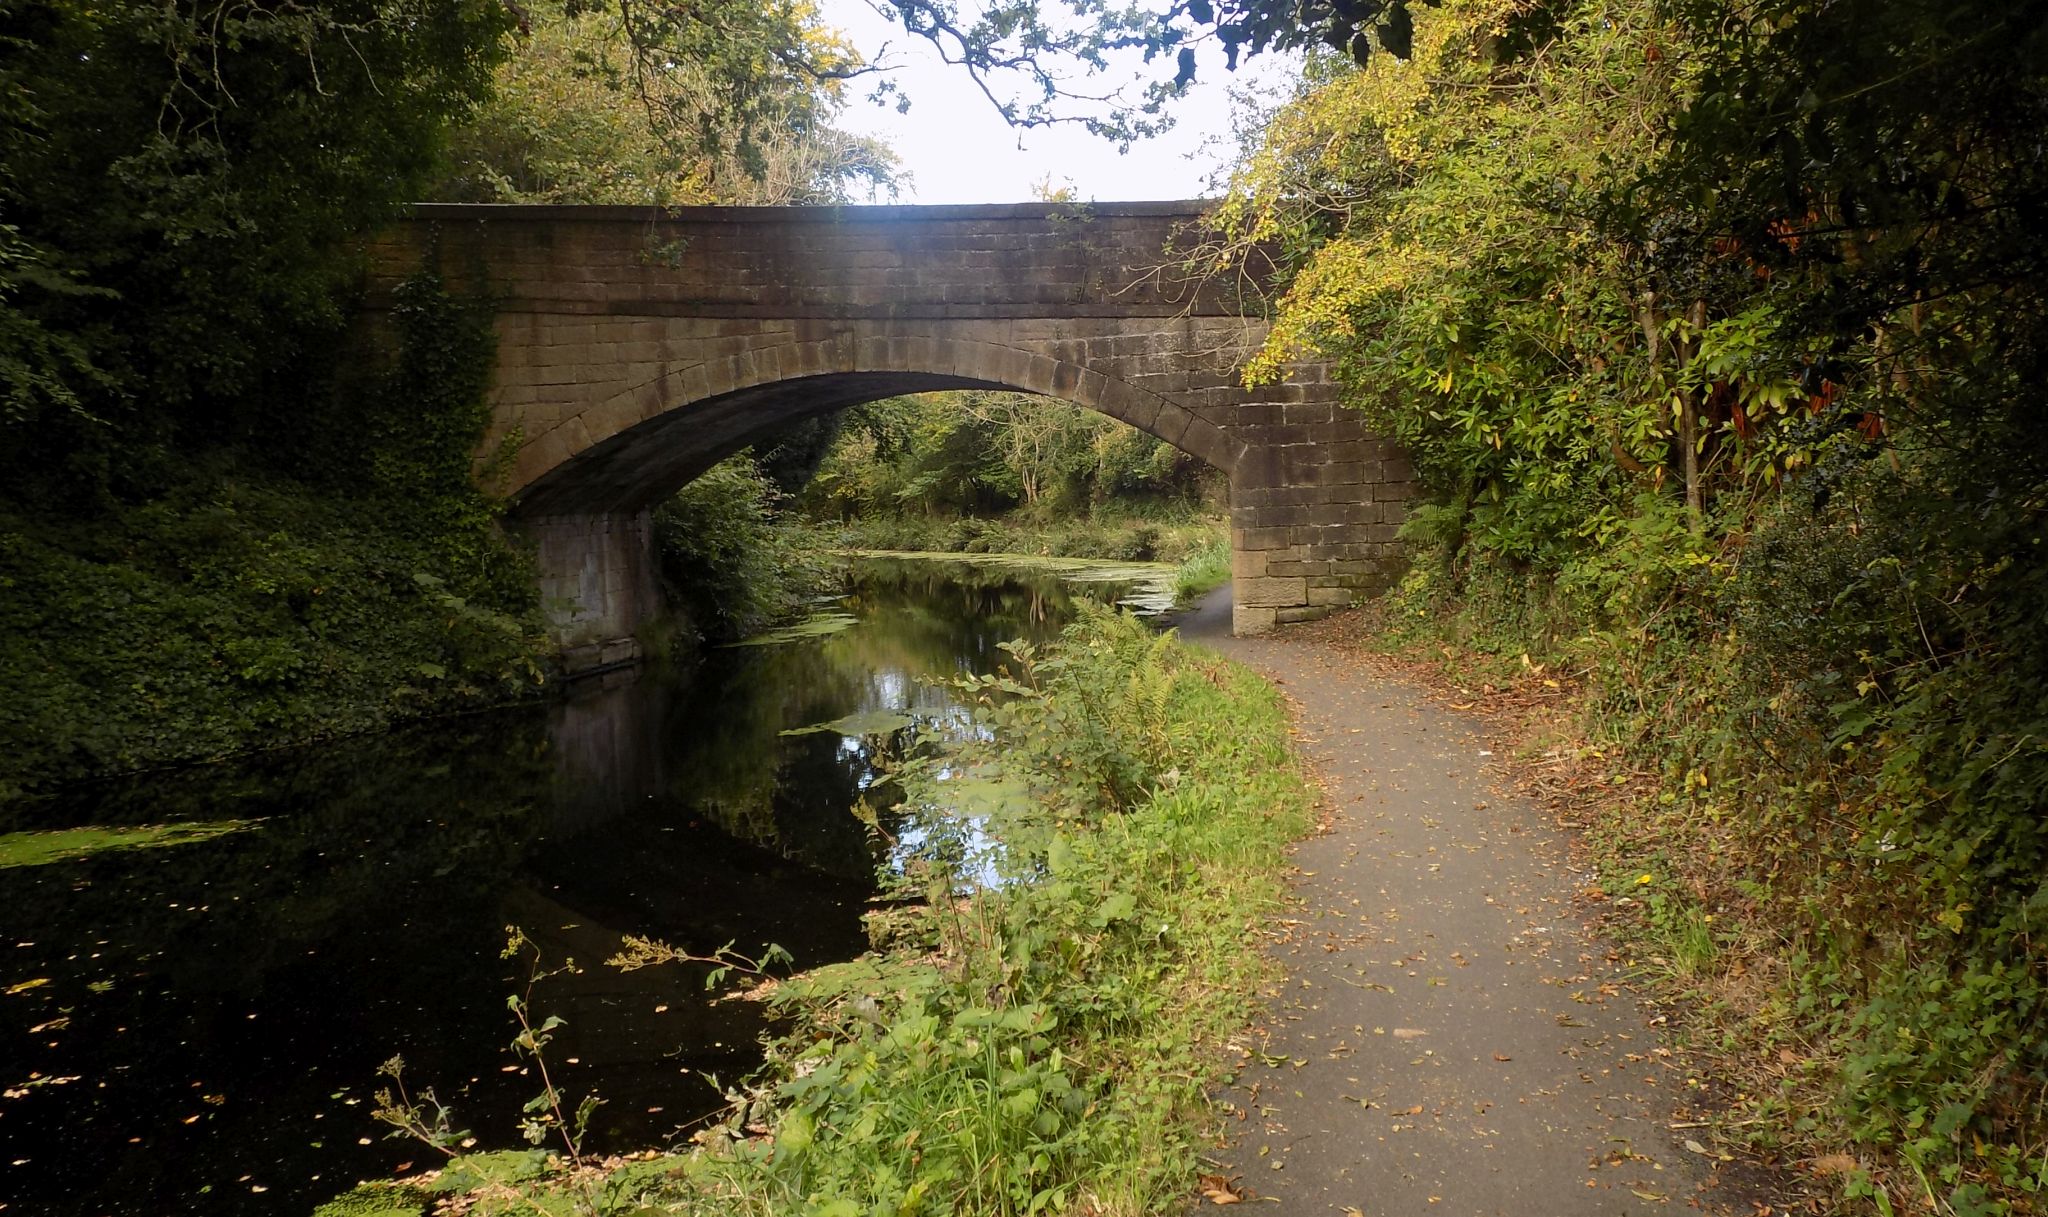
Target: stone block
1248 620
1092 390
1210 445
1171 423
1272 592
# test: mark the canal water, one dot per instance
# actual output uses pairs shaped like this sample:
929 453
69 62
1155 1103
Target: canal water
201 972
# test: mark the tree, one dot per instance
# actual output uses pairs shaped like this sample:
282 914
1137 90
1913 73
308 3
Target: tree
580 115
181 186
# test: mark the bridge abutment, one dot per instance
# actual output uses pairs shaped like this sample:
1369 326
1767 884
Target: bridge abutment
1315 502
598 588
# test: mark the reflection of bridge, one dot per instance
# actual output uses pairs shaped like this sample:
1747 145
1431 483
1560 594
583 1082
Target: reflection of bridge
637 347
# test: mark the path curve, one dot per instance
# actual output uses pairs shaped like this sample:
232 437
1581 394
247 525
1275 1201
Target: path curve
1448 1039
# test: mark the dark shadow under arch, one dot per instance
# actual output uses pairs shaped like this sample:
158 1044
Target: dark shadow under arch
642 464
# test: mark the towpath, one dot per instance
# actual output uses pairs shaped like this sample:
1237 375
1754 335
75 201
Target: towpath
1448 1039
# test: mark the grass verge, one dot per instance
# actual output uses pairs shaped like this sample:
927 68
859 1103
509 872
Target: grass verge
1039 1033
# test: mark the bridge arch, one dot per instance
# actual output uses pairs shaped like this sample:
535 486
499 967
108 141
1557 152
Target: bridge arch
639 346
631 450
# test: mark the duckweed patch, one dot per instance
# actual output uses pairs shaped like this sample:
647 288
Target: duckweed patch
818 625
67 844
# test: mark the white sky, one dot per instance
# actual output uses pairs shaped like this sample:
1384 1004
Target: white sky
956 149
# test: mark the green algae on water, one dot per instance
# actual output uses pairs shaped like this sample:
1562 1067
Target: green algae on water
861 722
817 625
1152 584
69 844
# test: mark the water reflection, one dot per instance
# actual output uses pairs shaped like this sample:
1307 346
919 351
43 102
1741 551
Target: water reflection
197 1027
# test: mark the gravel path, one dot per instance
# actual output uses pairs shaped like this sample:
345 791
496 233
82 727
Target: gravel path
1449 1039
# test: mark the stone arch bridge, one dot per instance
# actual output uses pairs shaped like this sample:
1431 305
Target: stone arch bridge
637 347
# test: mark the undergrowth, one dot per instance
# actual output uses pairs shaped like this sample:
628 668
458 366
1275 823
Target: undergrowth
236 599
1036 1034
729 564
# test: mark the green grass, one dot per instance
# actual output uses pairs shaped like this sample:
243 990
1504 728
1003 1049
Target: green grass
1044 1043
1203 570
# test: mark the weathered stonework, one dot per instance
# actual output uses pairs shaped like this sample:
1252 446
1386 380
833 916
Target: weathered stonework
637 348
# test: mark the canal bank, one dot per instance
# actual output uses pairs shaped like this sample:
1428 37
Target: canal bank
194 1019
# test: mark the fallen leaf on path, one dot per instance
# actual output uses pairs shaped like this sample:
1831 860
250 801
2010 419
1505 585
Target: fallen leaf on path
1502 1056
1409 1033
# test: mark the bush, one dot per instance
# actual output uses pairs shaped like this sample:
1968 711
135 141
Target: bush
242 609
728 565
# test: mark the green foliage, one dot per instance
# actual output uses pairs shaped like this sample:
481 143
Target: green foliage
1052 1057
584 113
206 538
237 608
377 1200
425 1119
978 472
243 604
1203 570
546 1116
979 453
728 564
181 191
